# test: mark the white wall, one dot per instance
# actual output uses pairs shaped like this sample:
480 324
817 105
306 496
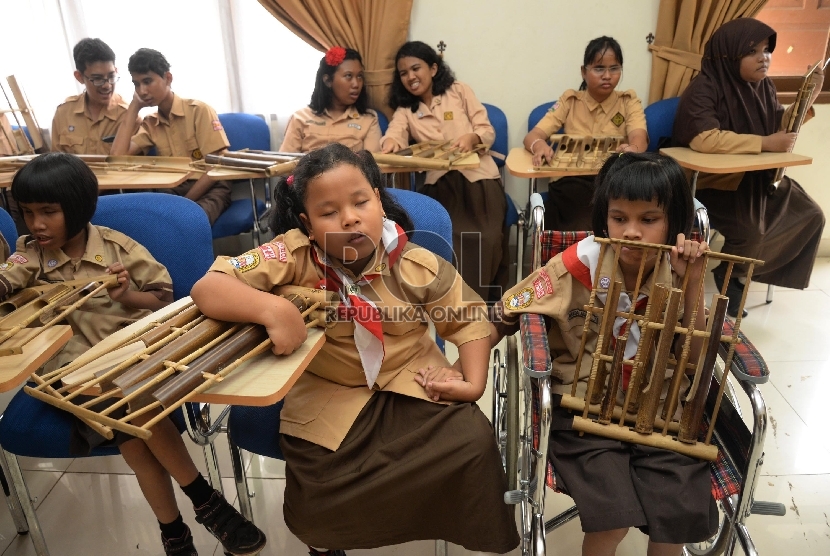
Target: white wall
519 54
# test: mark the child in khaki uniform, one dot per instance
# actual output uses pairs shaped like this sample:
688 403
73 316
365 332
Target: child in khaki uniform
375 455
616 485
84 123
58 194
337 112
181 127
597 109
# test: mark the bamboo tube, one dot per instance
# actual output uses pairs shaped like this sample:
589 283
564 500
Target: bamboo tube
609 401
94 425
711 254
281 169
596 381
411 162
586 326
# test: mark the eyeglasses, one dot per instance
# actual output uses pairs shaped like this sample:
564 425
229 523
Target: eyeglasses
600 70
101 81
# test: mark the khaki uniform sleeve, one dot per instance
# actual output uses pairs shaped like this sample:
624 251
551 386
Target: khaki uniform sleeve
263 268
541 292
716 141
293 140
4 247
210 135
146 272
398 130
477 114
19 271
635 117
372 141
142 138
555 118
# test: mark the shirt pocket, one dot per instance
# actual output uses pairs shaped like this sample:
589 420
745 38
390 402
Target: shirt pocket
70 142
308 407
193 150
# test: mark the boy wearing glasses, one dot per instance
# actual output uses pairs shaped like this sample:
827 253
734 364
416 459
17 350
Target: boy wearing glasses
83 121
180 127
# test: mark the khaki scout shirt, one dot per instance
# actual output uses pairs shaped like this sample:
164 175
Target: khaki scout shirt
330 394
564 306
193 129
75 132
450 115
5 251
307 131
100 316
580 114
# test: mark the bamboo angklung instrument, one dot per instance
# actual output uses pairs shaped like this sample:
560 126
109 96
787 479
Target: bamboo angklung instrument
429 155
276 164
41 307
20 141
665 346
576 152
164 365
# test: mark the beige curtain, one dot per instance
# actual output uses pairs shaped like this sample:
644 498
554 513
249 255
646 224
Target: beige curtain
683 27
375 28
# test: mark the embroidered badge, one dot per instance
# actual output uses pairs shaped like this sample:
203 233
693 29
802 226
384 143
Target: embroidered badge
72 128
381 267
52 263
447 116
356 126
520 299
604 282
554 106
99 258
352 289
580 314
217 125
246 262
618 119
268 252
542 285
283 252
196 154
5 266
18 258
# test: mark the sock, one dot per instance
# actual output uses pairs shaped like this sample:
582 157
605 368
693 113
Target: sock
199 491
173 530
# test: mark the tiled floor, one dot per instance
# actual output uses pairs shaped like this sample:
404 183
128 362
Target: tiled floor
94 506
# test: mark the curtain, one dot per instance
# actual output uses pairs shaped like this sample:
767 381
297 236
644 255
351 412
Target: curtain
683 27
375 28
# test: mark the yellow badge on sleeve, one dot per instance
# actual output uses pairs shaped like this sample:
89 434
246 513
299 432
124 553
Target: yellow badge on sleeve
99 258
6 266
618 119
196 154
520 299
447 116
245 262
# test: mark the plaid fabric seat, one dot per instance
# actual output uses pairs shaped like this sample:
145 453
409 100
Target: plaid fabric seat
536 357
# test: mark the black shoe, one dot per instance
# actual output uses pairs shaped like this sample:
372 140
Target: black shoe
734 291
313 552
239 537
183 546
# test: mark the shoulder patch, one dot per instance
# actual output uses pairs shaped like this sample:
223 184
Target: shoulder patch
519 300
274 251
246 261
542 285
217 125
422 257
18 258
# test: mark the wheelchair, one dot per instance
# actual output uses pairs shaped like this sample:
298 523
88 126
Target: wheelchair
522 413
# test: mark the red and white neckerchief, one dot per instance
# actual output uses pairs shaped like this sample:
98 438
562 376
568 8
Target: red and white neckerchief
582 262
368 329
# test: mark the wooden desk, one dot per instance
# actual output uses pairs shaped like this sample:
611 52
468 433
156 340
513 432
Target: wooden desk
14 369
731 163
520 164
262 381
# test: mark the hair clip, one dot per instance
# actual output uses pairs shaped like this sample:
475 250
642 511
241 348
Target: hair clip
289 181
335 55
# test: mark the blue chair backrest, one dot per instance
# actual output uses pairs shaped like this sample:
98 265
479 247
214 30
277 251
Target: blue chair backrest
499 122
660 121
7 228
383 122
175 230
537 114
246 131
26 131
433 227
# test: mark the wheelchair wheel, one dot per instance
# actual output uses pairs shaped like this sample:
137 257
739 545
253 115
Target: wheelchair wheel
506 409
715 545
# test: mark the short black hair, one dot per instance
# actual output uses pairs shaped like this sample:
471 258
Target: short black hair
644 177
291 198
597 47
146 60
322 95
59 178
444 77
88 51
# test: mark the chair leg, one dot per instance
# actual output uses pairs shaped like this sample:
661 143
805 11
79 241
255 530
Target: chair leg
12 501
21 492
241 480
212 464
770 289
255 229
441 548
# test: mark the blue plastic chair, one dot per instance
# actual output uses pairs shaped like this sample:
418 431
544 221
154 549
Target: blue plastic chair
660 121
8 228
33 428
537 114
499 122
244 131
383 122
256 429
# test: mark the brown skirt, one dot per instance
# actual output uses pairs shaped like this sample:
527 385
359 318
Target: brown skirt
477 212
569 204
782 229
407 470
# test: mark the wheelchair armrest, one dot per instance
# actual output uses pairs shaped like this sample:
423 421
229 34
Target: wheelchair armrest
535 351
747 364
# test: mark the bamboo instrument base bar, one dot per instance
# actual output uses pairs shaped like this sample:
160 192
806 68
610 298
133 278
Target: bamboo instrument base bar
656 440
578 405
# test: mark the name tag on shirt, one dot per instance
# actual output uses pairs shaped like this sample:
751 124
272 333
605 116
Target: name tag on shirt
315 122
356 126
